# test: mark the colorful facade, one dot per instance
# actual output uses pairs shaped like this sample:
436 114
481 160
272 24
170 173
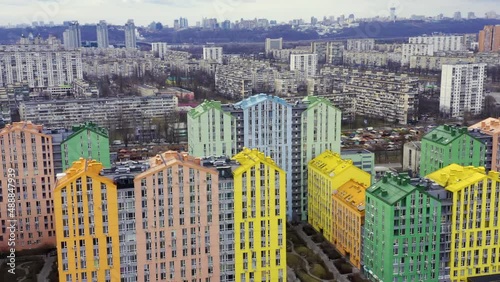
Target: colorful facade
291 134
177 204
348 214
474 249
327 173
491 126
401 236
446 145
26 180
259 218
87 141
86 217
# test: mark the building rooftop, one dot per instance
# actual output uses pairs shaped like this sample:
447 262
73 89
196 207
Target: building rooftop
352 193
354 151
204 107
487 126
445 134
330 163
251 157
392 188
259 98
454 177
77 129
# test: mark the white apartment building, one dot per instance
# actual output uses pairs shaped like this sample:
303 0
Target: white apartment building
105 112
441 42
360 44
130 38
415 49
462 89
39 64
102 35
306 64
159 48
273 44
72 36
212 54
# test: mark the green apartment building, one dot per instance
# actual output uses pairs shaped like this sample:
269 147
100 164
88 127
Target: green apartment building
87 141
401 236
447 145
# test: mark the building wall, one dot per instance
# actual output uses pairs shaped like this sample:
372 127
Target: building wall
260 180
86 217
491 126
362 159
27 159
411 157
440 43
210 131
348 214
177 229
88 144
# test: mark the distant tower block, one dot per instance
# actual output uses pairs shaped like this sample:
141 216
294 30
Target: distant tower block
393 14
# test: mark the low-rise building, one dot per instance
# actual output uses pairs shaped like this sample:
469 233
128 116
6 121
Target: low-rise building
411 157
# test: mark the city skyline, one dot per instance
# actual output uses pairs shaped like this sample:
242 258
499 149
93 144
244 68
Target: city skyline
165 11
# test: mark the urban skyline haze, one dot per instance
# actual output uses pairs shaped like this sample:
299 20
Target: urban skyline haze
165 11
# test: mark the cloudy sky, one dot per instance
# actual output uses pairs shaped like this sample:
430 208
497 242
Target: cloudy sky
146 11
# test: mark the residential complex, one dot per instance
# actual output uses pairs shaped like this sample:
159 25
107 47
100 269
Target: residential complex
491 127
489 39
102 35
88 141
462 89
326 173
282 130
273 44
348 216
86 219
305 64
446 144
415 49
39 63
105 112
27 159
160 48
130 37
360 44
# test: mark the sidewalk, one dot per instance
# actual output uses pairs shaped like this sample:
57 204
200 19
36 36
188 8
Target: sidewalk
312 246
47 268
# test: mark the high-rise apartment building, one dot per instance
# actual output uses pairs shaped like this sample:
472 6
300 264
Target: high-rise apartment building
88 141
462 89
27 179
402 232
178 224
39 63
291 134
305 64
489 39
470 222
491 127
86 216
273 44
327 173
183 23
360 44
415 49
335 52
440 42
130 37
348 217
392 17
446 144
160 48
211 53
102 35
72 36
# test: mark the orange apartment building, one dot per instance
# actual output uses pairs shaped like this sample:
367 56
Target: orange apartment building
491 126
176 229
27 151
348 208
489 39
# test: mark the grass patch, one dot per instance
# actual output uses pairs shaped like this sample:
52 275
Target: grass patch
304 277
296 240
26 267
295 262
304 251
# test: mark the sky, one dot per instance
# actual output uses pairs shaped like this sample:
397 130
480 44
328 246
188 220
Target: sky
145 11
